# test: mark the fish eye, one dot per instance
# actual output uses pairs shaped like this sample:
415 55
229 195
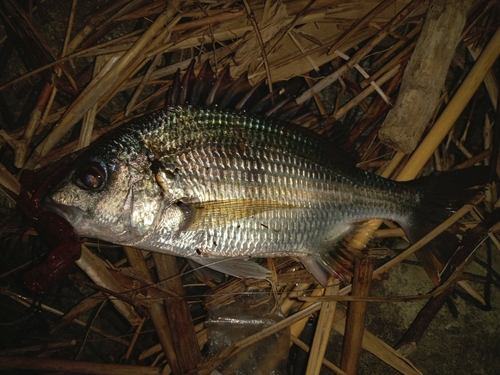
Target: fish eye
90 177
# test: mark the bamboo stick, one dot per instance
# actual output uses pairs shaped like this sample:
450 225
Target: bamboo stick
323 330
452 110
43 364
156 310
179 317
101 84
362 52
96 269
378 347
356 315
29 302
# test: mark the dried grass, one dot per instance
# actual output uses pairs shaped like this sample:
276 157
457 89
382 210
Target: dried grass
273 41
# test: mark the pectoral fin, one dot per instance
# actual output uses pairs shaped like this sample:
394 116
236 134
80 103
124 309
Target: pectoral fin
238 267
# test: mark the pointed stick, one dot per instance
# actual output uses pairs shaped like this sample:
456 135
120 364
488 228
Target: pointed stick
179 317
455 267
156 310
323 330
356 315
96 269
66 366
361 53
100 85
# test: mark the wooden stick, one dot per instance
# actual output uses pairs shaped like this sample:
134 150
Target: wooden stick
323 330
462 257
179 317
156 310
96 269
362 52
42 364
378 347
452 110
425 75
100 85
356 315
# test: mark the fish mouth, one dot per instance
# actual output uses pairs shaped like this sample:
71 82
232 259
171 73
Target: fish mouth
71 214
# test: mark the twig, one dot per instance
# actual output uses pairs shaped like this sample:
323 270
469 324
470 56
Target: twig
356 315
261 44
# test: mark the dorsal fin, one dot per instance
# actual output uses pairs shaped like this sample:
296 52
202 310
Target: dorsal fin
208 89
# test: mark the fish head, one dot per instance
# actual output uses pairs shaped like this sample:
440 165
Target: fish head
110 194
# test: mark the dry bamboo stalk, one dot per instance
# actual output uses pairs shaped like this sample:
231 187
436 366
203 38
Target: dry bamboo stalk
156 310
42 364
142 84
9 181
378 347
99 86
323 330
489 80
364 94
28 302
96 269
362 52
178 314
138 330
452 110
356 315
95 21
89 117
425 75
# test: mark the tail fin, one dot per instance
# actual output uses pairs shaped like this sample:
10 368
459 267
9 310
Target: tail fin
440 197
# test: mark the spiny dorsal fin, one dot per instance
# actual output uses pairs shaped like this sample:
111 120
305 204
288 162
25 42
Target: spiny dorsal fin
209 89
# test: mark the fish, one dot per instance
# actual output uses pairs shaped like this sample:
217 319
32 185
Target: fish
209 184
220 186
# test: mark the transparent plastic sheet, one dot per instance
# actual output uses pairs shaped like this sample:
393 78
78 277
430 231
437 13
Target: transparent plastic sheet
249 314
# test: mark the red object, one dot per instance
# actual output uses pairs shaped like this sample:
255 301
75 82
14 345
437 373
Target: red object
57 231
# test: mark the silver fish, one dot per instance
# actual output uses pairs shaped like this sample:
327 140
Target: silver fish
211 184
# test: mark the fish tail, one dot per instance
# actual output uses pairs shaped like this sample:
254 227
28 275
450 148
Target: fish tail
439 198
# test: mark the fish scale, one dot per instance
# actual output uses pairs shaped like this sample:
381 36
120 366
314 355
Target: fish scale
209 183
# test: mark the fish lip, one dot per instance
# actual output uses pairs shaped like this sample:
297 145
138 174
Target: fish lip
71 214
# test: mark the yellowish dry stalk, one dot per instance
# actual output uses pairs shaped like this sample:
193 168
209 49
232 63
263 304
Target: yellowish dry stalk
323 330
97 270
102 84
